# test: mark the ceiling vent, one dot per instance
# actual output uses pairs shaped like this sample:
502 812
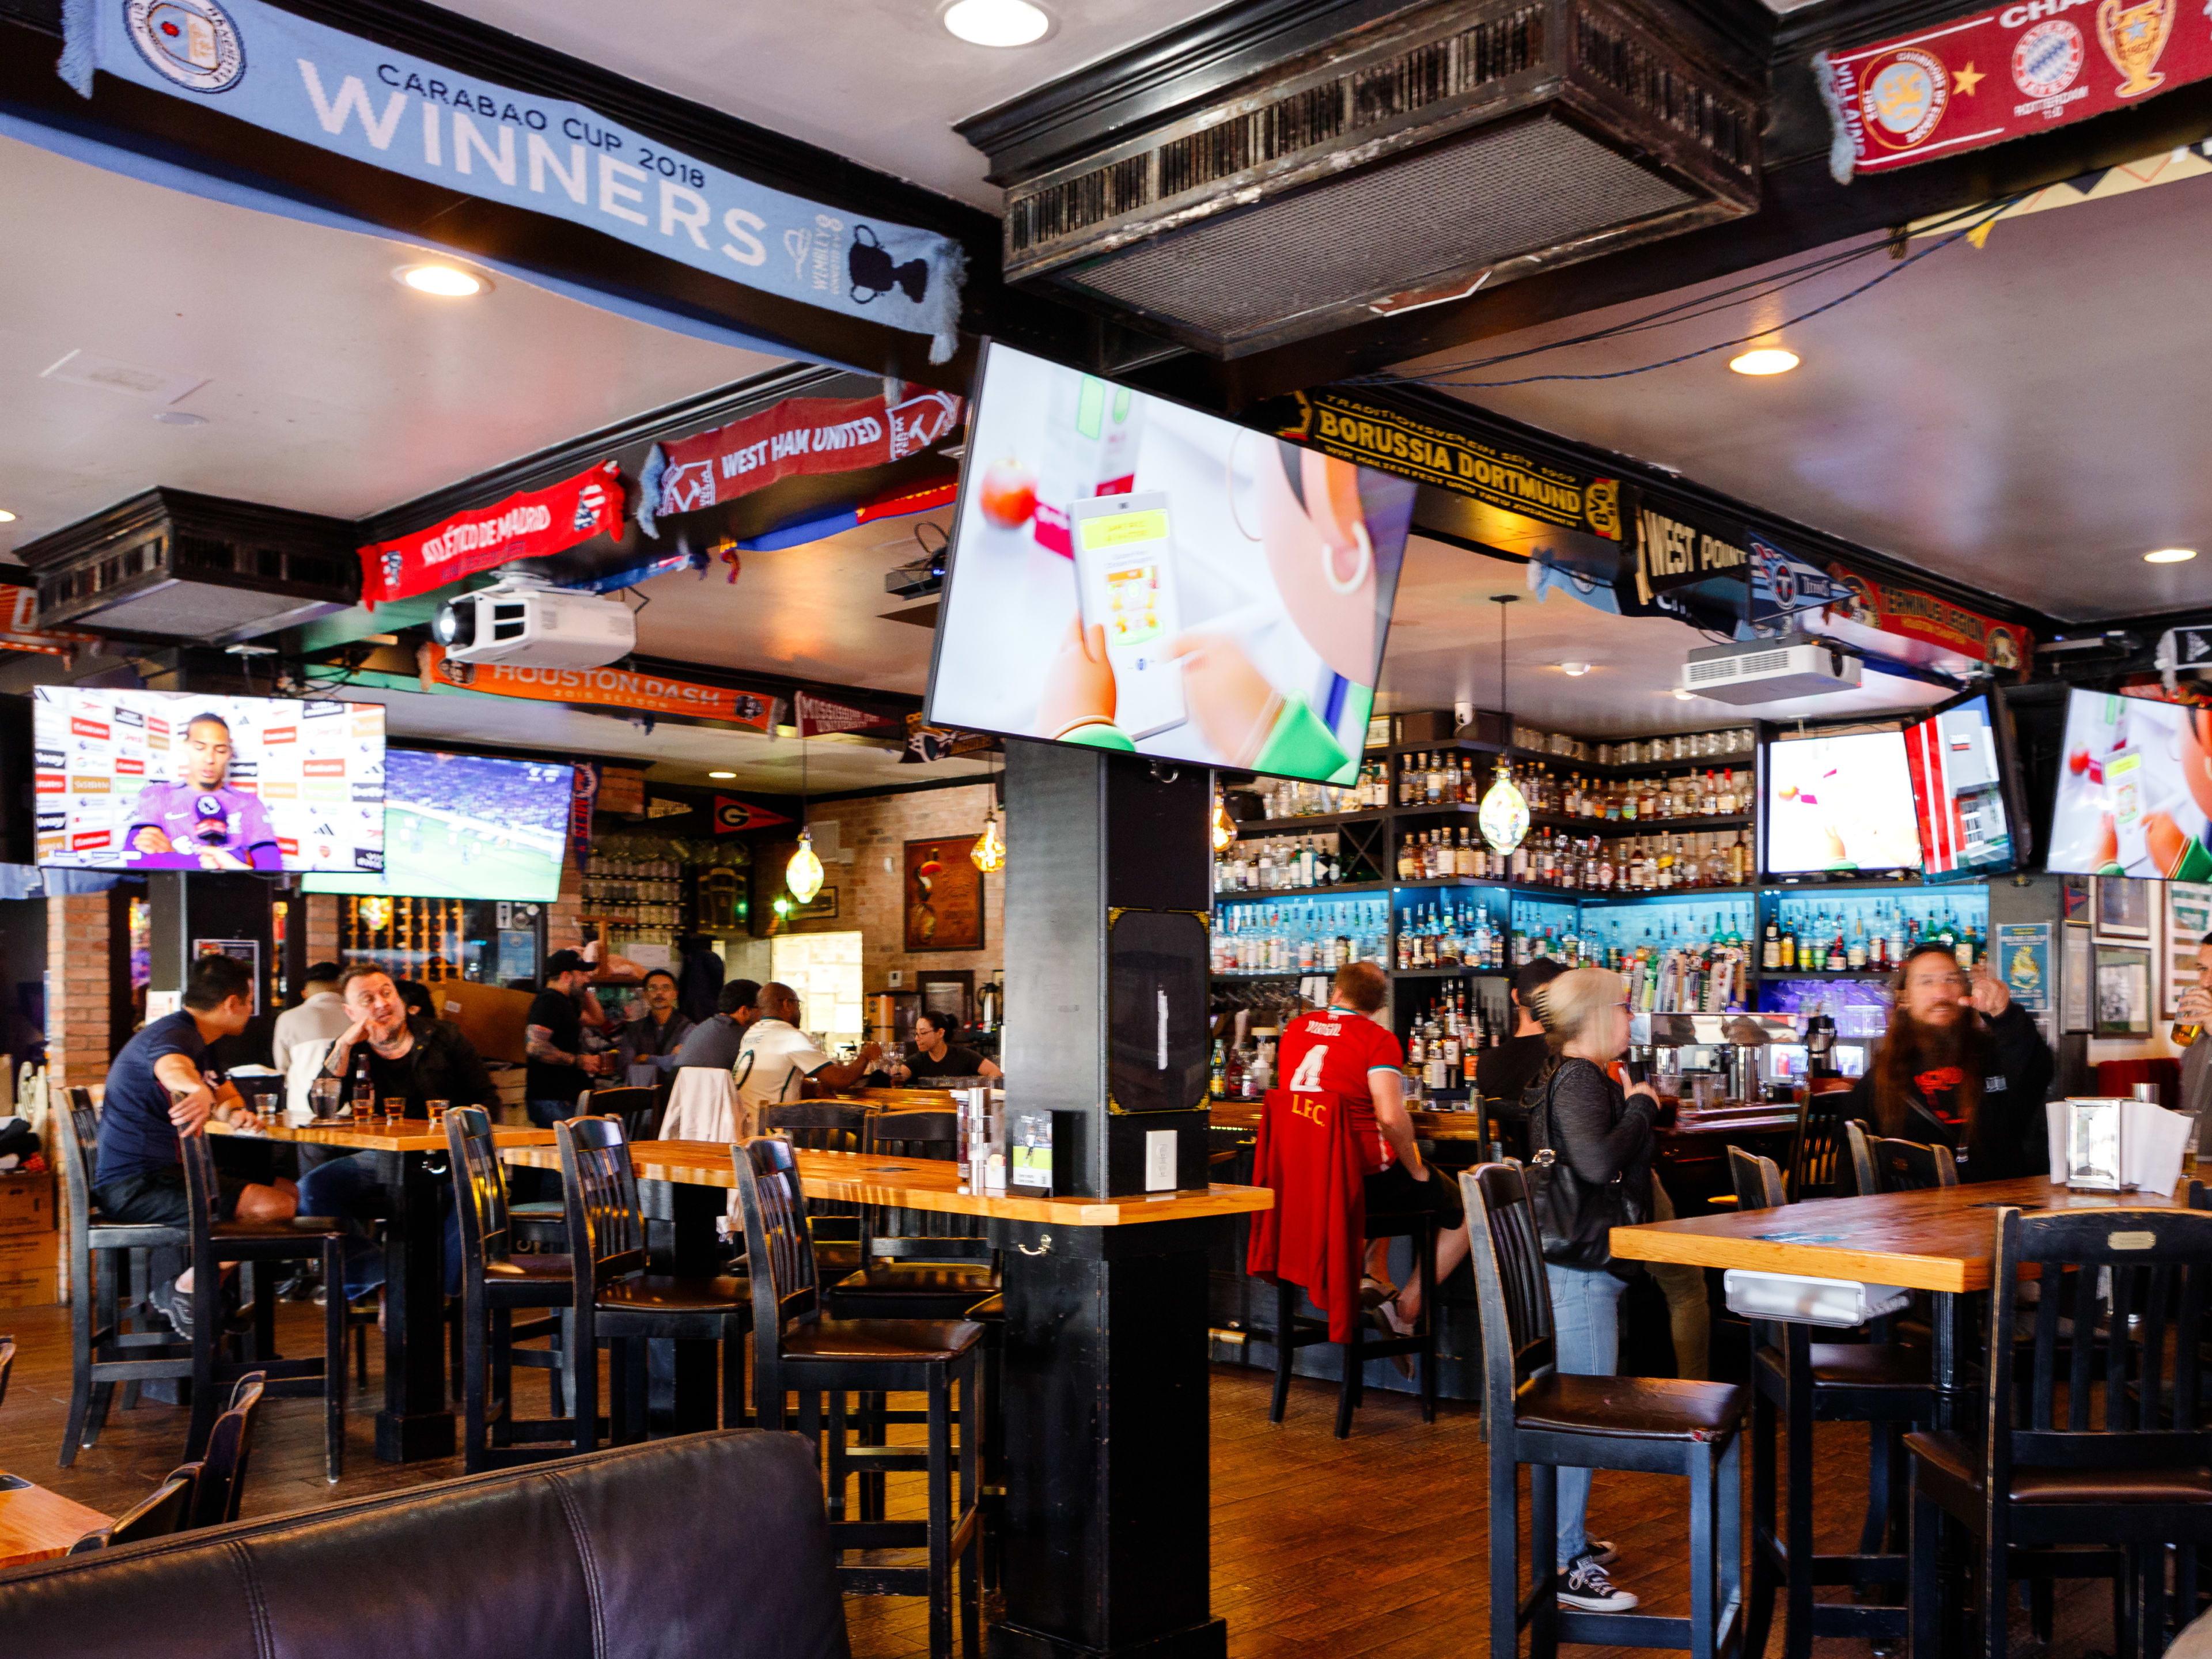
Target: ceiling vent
1448 148
169 565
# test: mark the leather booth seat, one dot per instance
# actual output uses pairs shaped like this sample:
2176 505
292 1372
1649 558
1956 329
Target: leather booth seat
706 1544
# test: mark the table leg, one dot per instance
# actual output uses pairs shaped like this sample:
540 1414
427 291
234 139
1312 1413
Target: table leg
683 1395
415 1423
1107 1545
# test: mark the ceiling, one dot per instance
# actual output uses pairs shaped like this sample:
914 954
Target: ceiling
327 386
1443 650
2027 418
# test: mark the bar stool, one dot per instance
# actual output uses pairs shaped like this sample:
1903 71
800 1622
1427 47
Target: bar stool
795 1350
613 1299
495 1285
542 1224
1887 1385
826 1126
253 1242
102 1256
1818 1161
1534 1415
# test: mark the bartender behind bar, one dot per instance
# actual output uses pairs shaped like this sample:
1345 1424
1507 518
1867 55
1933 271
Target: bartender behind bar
933 1054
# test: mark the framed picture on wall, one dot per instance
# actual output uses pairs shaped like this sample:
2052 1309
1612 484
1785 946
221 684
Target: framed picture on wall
944 895
2075 973
2122 908
2076 891
2188 920
2124 991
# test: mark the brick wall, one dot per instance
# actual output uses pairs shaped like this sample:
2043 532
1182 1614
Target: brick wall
564 917
78 980
322 909
871 889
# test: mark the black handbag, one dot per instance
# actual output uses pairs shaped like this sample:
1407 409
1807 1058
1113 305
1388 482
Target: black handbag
1575 1218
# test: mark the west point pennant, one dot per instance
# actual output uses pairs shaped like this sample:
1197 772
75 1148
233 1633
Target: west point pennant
2004 73
524 526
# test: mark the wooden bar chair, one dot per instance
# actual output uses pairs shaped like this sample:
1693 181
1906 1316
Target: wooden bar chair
613 1299
826 1126
496 1285
2129 1284
163 1511
219 1478
110 1340
1820 1160
542 1224
7 1365
1886 1385
252 1244
1534 1415
796 1351
1907 1166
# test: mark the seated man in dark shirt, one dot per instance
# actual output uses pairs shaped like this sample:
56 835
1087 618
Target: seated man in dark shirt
716 1043
157 1089
646 1047
391 1056
1502 1074
932 1054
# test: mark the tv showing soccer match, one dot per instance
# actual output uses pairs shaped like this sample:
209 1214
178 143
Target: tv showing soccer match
2135 789
1964 780
467 826
1129 574
1840 800
176 780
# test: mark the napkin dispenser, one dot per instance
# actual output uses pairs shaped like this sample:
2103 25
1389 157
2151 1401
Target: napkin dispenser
1804 1300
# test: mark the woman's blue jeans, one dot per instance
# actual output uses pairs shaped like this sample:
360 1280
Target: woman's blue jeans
1585 1342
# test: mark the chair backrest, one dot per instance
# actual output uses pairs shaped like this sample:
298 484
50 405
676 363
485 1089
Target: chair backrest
479 1190
1906 1166
162 1513
1758 1181
77 1136
637 1107
1864 1183
221 1480
823 1125
201 1196
2119 1287
917 1235
779 1251
7 1365
1817 1161
1512 1293
607 1231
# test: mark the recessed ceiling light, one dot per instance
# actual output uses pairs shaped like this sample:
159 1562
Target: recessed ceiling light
1574 669
1767 360
722 774
446 280
180 417
998 22
6 517
2170 556
1683 695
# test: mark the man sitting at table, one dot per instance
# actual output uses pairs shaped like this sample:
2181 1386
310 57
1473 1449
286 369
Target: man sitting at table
157 1092
717 1042
647 1046
1962 1067
1502 1074
778 1062
414 1060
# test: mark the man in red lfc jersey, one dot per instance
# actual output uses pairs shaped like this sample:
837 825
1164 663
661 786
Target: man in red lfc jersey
1345 1051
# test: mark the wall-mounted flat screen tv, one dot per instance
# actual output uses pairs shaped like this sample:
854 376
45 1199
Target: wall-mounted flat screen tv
466 826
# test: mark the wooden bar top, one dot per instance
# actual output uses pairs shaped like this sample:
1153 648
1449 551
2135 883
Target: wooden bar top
1943 1239
37 1525
372 1134
914 1184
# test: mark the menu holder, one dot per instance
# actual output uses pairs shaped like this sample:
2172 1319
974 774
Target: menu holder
2106 1143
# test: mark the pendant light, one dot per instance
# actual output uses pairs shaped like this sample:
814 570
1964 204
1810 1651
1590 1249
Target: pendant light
803 875
1225 831
1503 815
989 852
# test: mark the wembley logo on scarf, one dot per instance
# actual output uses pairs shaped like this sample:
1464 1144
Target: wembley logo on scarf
797 435
524 527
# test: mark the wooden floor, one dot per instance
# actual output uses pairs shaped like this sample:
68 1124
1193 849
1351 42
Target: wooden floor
1374 1546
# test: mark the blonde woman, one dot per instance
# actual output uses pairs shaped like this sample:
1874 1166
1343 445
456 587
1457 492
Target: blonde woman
1602 1134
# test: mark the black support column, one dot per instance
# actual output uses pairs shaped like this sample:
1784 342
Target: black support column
1105 1379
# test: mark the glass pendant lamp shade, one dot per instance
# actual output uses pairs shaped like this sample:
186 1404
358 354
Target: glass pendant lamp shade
1224 832
1503 815
803 875
989 852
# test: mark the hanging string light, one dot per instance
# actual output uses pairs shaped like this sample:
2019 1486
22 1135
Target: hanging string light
989 852
1504 816
803 875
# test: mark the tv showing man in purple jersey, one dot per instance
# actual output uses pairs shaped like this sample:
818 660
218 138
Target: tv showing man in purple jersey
202 822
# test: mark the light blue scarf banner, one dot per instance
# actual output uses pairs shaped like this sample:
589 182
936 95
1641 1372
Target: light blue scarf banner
406 115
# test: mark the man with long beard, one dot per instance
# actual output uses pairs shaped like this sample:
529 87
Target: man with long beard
1960 1065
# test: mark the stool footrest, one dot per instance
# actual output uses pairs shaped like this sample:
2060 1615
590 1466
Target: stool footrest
1641 1630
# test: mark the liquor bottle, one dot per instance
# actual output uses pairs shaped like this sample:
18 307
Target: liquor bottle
1770 952
1856 958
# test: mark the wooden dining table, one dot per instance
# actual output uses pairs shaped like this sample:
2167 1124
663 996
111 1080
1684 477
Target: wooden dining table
415 1422
39 1525
1104 1347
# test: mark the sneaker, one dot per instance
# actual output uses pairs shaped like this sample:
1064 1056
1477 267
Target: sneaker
1586 1586
176 1310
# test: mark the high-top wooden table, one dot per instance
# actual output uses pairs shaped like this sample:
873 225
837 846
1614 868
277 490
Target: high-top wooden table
1098 1291
37 1525
415 1422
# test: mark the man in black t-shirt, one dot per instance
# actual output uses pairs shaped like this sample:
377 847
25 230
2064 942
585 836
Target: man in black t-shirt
559 1069
1502 1074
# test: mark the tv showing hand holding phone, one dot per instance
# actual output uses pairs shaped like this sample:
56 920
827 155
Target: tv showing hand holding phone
1130 575
2135 789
